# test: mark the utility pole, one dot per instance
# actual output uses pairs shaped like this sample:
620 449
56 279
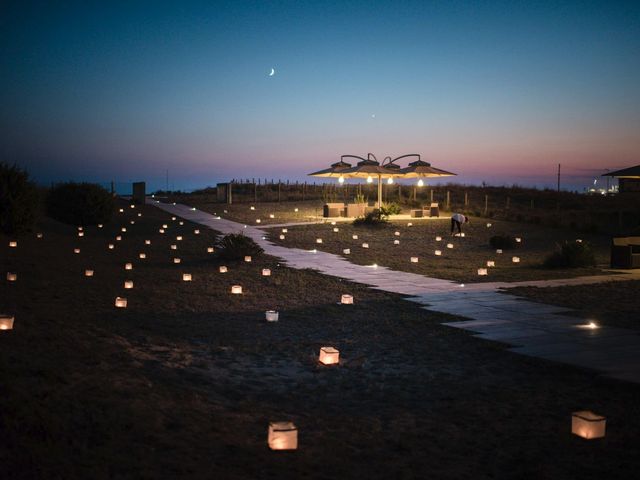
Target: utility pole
558 178
167 189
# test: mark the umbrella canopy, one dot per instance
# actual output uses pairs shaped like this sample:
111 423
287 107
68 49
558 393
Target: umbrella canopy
372 169
333 171
423 169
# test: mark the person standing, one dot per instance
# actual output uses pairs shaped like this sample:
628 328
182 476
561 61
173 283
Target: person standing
457 219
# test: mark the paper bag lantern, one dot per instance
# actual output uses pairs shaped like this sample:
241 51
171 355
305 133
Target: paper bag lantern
282 237
247 258
196 232
88 273
295 210
333 223
161 230
39 235
365 245
438 239
210 249
336 229
121 210
164 225
271 315
236 289
121 302
329 356
13 244
499 251
355 237
282 436
491 263
173 219
438 253
266 272
179 238
222 269
258 220
143 256
147 242
128 284
132 222
396 242
181 222
515 259
449 245
186 277
396 233
409 224
6 322
123 230
99 225
12 277
518 240
176 260
578 240
346 299
318 240
587 424
252 208
284 230
128 266
76 250
139 214
482 271
111 246
81 234
488 225
118 238
271 215
414 259
346 251
174 247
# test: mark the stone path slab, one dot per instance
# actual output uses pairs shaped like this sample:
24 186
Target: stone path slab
533 329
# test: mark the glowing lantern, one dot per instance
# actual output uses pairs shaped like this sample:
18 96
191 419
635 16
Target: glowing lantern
6 322
499 251
333 223
578 240
396 242
222 269
161 230
147 242
346 251
13 244
515 259
438 239
121 302
128 266
421 183
369 179
236 289
271 315
176 260
111 246
81 234
39 235
210 249
282 237
449 245
164 225
132 222
252 208
482 271
181 222
123 230
491 263
318 240
365 245
346 299
266 272
283 436
258 220
121 210
179 238
173 219
174 247
247 258
397 234
76 250
143 255
128 284
409 224
414 259
295 210
197 232
438 253
186 277
284 230
12 277
118 238
341 179
488 225
271 215
139 214
390 181
518 240
336 229
329 356
587 424
355 237
133 206
88 273
99 225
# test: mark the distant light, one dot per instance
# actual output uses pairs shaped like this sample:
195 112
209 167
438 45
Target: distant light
341 179
369 179
420 183
390 180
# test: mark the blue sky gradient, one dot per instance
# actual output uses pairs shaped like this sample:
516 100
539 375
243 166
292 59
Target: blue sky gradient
496 91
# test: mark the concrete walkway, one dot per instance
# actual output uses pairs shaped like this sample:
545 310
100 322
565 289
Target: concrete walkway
530 328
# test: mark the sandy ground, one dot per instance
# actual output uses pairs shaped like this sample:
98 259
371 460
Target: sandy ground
183 383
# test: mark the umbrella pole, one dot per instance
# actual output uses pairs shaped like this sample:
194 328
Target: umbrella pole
379 191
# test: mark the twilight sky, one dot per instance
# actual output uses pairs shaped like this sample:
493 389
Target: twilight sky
496 91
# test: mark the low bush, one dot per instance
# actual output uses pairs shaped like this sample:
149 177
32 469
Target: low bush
80 204
390 209
505 242
236 246
18 200
376 218
571 255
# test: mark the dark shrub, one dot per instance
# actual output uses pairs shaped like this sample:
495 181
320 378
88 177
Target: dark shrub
504 242
236 246
18 200
390 209
80 204
571 255
375 218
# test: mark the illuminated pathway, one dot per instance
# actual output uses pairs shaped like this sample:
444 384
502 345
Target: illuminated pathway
529 328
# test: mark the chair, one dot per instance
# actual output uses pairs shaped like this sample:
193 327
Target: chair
434 210
333 210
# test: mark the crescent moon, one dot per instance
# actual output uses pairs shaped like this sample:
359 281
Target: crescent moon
272 73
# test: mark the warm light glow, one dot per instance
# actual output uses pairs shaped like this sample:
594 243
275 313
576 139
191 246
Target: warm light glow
438 252
271 315
329 356
488 225
161 230
176 260
336 229
196 232
414 259
438 239
389 181
318 240
143 256
252 207
365 245
396 242
499 251
210 249
247 258
515 259
128 266
118 238
420 183
76 250
181 222
409 224
518 239
284 230
13 244
164 225
396 233
38 235
81 234
369 179
236 289
266 272
258 220
482 271
12 277
282 237
491 263
6 322
341 179
147 242
186 277
346 299
179 238
121 302
128 284
282 436
346 251
295 209
123 230
449 245
355 237
588 425
111 246
223 269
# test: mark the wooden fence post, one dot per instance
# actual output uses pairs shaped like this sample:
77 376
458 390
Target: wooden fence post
486 204
508 202
448 200
466 199
431 195
279 191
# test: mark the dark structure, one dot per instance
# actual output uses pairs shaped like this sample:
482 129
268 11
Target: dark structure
139 192
628 179
625 252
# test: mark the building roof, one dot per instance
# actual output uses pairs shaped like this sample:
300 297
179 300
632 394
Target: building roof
631 172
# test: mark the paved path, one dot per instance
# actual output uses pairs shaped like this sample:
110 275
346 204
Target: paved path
530 328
